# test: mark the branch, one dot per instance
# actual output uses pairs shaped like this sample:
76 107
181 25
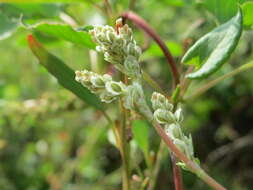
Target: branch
144 26
212 83
177 176
190 164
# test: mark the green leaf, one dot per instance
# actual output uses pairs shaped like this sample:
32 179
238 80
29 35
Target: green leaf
212 50
223 10
31 10
7 26
247 9
64 74
140 131
66 32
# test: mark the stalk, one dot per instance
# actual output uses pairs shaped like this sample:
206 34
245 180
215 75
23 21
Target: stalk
190 164
125 148
141 23
212 83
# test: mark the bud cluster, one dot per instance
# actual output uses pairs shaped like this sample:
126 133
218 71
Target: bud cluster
164 115
102 85
135 100
118 46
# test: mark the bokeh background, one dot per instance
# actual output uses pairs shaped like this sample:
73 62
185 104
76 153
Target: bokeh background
49 139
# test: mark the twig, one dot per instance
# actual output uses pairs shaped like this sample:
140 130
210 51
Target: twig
177 176
108 8
144 26
125 150
190 164
157 166
212 83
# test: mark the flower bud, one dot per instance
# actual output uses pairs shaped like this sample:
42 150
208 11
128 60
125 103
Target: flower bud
83 77
164 116
107 97
132 67
179 115
135 100
159 101
97 81
174 131
115 88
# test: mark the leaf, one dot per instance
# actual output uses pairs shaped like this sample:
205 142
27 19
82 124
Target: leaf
7 26
140 131
31 10
212 50
65 32
247 9
223 10
64 74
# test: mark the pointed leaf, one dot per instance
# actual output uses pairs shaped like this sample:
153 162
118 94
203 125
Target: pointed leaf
213 49
66 32
64 74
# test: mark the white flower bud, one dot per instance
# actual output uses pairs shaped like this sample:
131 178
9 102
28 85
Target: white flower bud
132 67
107 97
115 88
179 115
174 131
135 100
97 81
159 101
164 116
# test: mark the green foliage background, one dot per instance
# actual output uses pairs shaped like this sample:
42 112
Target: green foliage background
50 139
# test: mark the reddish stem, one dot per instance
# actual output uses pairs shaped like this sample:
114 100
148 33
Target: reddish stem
177 176
141 23
190 164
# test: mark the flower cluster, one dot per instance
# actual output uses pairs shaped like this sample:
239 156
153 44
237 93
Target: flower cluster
164 115
102 85
118 46
135 100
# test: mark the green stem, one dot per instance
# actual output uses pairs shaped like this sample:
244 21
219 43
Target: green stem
125 150
212 83
146 77
107 117
157 166
152 83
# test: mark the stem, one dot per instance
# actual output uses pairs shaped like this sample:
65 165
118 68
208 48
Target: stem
125 150
108 8
177 176
141 23
190 164
152 83
109 120
157 166
212 83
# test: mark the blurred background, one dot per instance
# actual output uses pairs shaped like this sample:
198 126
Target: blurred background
49 139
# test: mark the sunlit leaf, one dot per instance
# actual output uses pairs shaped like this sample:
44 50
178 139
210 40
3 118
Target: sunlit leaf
247 9
66 32
7 26
140 131
213 49
64 74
